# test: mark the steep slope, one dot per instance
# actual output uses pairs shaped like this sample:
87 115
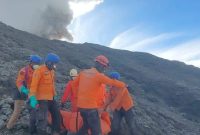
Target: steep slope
167 93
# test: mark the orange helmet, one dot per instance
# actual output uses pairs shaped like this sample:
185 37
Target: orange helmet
102 60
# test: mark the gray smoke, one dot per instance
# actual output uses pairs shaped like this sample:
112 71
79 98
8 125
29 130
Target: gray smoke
45 18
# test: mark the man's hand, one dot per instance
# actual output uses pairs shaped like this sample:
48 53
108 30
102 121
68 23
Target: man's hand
33 102
24 90
55 97
109 109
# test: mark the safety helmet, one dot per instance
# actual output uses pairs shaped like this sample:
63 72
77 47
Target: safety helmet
102 60
73 73
35 59
114 75
53 58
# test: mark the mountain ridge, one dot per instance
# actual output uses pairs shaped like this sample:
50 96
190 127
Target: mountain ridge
167 93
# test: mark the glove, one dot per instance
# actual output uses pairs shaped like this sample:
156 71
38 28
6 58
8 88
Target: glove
33 102
24 90
108 109
55 97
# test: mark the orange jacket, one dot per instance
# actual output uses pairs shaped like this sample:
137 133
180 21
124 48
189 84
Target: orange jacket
69 120
89 83
71 92
42 85
24 77
120 98
101 96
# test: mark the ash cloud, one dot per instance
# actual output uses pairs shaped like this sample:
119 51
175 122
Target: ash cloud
45 18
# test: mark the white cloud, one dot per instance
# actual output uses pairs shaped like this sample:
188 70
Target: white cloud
84 28
81 29
89 29
136 39
194 62
81 7
187 52
46 18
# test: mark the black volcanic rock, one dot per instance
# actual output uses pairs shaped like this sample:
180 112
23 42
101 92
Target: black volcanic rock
166 93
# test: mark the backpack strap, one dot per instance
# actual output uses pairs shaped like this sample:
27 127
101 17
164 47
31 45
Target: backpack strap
26 76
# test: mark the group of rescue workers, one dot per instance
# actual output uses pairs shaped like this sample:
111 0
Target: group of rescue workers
94 98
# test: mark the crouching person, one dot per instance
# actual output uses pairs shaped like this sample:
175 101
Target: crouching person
42 93
121 103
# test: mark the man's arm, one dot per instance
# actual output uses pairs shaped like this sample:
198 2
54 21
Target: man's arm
35 81
106 80
20 79
67 93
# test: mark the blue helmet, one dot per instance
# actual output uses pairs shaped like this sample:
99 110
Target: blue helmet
114 75
53 58
35 59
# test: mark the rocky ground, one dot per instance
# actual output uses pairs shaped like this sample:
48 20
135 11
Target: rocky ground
166 93
6 106
21 127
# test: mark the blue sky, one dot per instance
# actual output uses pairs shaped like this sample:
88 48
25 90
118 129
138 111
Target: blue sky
165 28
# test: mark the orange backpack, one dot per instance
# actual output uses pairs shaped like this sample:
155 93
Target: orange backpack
105 123
72 121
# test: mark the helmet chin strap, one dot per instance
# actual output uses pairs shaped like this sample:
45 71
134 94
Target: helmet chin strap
99 67
50 65
33 66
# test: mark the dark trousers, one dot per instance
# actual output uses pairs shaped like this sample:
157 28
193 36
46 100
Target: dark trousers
46 106
91 121
32 122
117 118
17 95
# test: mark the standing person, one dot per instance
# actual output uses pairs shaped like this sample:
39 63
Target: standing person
122 106
71 91
42 92
89 83
23 83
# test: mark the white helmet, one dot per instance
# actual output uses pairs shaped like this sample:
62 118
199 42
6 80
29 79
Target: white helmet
73 72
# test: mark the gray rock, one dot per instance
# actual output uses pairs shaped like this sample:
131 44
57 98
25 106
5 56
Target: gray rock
6 111
5 105
9 100
2 124
25 112
163 90
1 102
3 117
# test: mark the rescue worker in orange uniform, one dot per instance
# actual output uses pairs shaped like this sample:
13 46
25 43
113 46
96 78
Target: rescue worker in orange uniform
23 83
71 91
121 103
89 83
43 93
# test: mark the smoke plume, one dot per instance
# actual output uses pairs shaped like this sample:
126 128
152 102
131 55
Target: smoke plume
45 18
